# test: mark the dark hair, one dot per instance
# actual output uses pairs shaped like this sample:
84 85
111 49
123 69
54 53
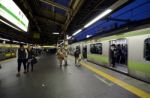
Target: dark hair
113 45
21 45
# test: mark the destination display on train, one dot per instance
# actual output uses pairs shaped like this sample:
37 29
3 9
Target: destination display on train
11 12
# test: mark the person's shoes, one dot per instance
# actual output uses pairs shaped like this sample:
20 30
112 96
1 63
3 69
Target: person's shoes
66 64
18 74
25 72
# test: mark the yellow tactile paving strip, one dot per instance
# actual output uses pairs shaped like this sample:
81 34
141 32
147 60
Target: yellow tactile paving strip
7 60
122 84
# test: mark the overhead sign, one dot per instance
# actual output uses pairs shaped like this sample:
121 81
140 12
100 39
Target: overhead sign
11 12
36 35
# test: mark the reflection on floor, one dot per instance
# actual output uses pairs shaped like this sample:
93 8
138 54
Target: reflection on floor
50 81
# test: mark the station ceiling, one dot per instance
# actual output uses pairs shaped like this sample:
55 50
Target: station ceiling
63 16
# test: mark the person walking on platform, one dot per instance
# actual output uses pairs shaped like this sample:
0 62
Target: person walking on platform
65 56
60 56
76 55
30 58
22 53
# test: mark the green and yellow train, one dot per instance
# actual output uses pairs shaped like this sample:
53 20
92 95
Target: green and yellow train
132 52
7 51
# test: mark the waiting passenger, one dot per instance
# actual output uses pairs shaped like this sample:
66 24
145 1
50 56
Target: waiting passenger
76 55
113 55
84 53
30 58
22 53
118 54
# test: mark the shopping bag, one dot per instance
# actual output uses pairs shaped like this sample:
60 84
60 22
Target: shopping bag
34 60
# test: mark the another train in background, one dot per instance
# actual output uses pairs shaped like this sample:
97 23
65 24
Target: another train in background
7 51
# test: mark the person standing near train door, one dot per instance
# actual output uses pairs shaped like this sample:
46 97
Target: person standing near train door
77 55
22 53
113 55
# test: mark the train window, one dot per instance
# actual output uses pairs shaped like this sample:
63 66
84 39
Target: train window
147 49
96 48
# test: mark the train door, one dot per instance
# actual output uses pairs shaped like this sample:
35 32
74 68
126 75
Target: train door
84 51
118 54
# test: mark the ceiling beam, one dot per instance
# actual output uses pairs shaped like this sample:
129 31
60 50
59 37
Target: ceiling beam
49 14
28 8
75 6
56 5
48 19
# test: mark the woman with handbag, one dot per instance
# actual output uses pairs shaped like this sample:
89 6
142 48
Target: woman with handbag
30 58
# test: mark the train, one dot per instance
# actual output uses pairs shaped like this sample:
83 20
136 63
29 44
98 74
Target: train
7 51
133 58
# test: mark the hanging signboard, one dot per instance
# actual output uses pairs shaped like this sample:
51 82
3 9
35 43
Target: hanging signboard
11 12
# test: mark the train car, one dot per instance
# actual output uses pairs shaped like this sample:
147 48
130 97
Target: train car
132 52
7 51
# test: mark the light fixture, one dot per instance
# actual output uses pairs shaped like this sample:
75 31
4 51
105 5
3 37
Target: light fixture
4 39
22 42
9 25
15 41
55 33
77 32
68 37
100 16
87 36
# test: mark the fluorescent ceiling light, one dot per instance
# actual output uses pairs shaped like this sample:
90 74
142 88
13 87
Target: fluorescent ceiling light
22 42
94 20
4 39
9 25
56 33
87 36
16 41
77 32
100 16
68 37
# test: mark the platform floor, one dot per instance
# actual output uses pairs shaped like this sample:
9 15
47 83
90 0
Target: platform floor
50 81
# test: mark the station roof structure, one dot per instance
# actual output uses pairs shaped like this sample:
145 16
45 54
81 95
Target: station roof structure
47 17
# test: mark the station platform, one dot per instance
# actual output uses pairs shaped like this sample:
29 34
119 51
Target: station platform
48 80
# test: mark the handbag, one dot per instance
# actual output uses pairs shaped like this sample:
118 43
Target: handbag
34 60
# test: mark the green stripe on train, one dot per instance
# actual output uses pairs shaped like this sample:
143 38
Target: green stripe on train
133 65
138 66
98 58
123 35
